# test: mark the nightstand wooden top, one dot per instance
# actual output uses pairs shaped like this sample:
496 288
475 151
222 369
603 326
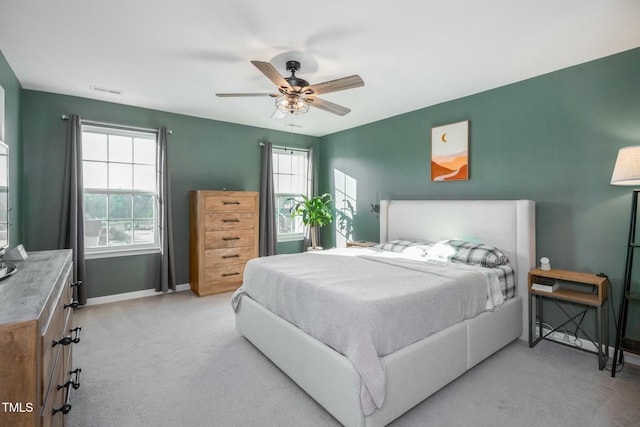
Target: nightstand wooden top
571 276
597 297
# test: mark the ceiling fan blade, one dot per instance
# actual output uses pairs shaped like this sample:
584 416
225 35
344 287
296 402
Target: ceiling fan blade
230 95
268 70
328 106
336 85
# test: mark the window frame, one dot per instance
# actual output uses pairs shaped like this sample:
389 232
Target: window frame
127 249
299 152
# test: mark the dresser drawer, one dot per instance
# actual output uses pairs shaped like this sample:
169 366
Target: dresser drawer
229 239
227 256
221 279
216 221
228 273
230 203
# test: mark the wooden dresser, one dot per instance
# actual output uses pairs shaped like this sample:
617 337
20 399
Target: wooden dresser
223 237
37 335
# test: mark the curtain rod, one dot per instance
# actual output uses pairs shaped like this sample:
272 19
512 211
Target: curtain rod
286 148
114 125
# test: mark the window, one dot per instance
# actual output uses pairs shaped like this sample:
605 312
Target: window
120 189
290 174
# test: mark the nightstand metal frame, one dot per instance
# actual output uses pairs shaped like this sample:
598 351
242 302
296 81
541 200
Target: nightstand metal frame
573 298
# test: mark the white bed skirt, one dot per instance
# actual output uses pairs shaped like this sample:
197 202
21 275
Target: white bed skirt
413 373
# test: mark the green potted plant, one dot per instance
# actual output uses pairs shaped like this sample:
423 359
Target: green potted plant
315 212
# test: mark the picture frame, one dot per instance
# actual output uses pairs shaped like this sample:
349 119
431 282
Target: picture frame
450 152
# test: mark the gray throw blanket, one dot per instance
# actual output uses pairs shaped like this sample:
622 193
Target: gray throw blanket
364 307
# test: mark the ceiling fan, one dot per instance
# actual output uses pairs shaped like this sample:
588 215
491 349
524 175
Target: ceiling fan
296 94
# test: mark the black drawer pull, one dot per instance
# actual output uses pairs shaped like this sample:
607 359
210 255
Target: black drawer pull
230 220
77 330
63 341
73 384
230 238
73 304
230 274
76 284
227 202
231 256
64 409
76 381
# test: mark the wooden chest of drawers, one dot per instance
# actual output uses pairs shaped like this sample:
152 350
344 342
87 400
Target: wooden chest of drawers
37 335
223 237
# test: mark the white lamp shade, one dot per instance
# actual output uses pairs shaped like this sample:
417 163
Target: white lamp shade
627 168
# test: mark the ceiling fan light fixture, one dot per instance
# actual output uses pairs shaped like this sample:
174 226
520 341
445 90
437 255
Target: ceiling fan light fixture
292 104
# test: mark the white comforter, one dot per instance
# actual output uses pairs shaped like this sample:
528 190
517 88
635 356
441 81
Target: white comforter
365 306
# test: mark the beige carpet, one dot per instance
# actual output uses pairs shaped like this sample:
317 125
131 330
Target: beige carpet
177 360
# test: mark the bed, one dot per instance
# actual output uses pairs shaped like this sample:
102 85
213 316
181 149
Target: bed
415 371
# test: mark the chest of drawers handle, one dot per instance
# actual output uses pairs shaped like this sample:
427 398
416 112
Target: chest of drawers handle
76 330
67 384
230 274
63 341
68 340
230 220
75 383
64 408
230 238
231 256
234 202
73 304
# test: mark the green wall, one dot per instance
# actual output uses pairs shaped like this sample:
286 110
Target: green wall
13 138
203 154
552 139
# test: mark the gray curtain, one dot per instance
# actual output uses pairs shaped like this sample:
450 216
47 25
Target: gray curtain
72 217
312 190
268 230
167 254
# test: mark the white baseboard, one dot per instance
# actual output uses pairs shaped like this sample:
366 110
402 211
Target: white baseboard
132 295
588 345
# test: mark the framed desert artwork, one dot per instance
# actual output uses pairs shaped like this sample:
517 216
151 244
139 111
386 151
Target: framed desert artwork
450 152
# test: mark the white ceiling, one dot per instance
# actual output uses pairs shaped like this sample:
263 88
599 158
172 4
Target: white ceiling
175 55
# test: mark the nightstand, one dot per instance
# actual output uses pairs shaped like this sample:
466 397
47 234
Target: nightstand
361 243
582 290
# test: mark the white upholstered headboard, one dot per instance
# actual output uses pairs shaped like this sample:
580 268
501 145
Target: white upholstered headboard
506 224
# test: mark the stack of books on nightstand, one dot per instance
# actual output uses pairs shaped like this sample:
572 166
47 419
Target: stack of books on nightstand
544 284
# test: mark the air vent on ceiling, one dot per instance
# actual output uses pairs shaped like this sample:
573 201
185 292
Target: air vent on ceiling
105 90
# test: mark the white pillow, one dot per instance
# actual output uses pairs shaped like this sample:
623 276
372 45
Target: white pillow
441 251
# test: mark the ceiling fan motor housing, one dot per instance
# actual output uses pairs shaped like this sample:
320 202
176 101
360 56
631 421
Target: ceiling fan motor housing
293 66
295 82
